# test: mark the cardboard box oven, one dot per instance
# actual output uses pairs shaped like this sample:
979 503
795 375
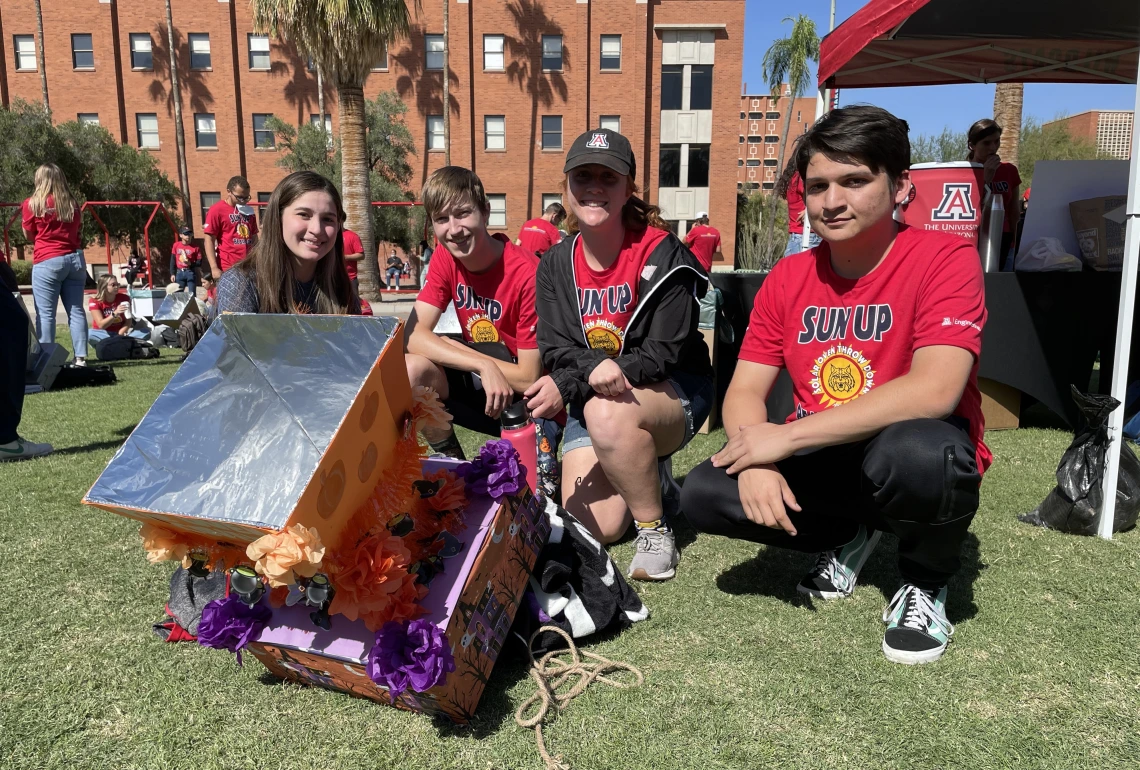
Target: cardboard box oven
474 600
1100 240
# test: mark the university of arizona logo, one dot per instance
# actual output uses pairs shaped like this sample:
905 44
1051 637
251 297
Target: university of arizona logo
599 141
956 204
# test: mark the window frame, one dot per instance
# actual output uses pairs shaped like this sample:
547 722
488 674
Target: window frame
139 116
18 54
430 134
262 197
693 85
138 37
198 37
216 196
679 71
75 65
544 145
267 53
492 199
429 39
487 133
502 53
602 58
85 118
198 133
561 54
384 66
548 198
666 152
611 118
265 116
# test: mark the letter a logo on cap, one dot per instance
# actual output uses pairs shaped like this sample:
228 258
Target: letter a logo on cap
599 141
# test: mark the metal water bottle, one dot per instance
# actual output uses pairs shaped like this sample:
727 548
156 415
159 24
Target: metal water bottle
517 428
990 241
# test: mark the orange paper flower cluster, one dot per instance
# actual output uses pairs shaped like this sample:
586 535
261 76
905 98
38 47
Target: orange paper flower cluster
284 556
428 411
164 544
373 583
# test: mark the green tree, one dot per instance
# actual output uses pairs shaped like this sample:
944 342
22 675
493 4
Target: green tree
1050 141
761 230
344 38
947 146
786 61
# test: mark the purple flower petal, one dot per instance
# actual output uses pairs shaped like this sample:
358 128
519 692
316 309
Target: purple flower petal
496 472
230 624
415 654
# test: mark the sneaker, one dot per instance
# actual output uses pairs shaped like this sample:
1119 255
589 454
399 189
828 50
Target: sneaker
917 628
21 449
79 361
656 557
836 572
670 490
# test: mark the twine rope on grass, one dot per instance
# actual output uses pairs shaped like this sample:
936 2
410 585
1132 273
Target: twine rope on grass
550 673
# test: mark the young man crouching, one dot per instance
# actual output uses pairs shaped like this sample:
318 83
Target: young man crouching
880 329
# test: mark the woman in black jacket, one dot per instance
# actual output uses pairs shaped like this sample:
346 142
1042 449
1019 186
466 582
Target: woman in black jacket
617 309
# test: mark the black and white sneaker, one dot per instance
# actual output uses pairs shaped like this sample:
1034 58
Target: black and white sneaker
917 628
836 572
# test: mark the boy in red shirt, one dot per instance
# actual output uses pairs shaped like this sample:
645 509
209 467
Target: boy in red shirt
703 241
880 329
184 260
353 253
231 228
538 235
490 284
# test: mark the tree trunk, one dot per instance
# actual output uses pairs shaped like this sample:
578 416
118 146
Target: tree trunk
321 100
42 63
784 139
179 130
355 187
1007 112
446 90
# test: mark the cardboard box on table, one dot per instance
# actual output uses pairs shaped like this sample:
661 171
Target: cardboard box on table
1100 237
474 600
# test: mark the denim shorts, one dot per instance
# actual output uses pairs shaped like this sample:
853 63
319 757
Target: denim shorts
695 392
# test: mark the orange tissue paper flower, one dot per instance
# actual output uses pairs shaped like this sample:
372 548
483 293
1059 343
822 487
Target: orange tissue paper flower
369 576
451 496
163 544
280 556
428 411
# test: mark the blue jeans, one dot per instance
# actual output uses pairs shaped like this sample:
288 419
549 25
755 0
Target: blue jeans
98 335
795 245
187 280
61 277
394 273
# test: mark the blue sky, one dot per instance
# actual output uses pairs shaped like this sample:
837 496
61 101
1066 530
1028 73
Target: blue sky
927 109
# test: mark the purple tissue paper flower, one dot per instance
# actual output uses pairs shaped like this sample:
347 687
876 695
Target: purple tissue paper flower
415 654
230 624
496 472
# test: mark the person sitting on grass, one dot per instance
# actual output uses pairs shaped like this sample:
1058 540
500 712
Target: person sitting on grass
297 265
490 283
880 329
617 309
110 309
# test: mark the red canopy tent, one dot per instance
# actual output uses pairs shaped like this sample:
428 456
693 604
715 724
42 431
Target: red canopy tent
937 42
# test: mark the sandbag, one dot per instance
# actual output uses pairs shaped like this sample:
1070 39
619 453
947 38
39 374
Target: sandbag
1074 504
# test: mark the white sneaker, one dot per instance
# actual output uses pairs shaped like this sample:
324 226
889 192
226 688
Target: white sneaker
23 450
80 361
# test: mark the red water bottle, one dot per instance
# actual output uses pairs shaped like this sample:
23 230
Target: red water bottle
517 428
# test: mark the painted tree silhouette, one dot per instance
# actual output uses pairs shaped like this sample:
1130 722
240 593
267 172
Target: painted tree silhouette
421 86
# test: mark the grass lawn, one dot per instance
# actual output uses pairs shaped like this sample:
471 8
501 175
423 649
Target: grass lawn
740 672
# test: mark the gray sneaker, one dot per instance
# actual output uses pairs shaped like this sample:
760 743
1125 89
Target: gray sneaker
656 557
22 449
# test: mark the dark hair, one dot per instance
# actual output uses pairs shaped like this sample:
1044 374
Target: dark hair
982 129
270 263
556 209
789 171
237 181
858 134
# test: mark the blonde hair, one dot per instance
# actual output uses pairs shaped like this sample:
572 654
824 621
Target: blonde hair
50 182
636 214
101 287
452 184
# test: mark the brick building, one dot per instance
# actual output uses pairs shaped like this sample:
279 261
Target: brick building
526 78
761 126
1111 130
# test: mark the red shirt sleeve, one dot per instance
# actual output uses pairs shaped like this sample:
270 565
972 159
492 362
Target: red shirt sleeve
253 226
213 224
352 244
764 340
951 307
439 286
525 337
27 220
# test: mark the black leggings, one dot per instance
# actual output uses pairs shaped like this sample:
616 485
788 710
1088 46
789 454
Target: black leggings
13 363
917 479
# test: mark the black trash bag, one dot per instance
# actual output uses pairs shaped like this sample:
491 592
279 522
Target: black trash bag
1074 504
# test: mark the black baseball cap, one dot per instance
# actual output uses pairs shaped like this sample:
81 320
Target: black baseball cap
185 231
604 147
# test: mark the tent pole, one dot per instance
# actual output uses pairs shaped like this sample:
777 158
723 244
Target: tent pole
1123 331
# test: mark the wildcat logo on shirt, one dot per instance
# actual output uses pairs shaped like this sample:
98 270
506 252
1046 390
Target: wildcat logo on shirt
826 324
841 374
605 336
467 299
480 329
956 204
241 229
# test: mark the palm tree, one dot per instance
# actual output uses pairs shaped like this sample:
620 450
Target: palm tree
344 40
40 54
1007 112
179 132
446 90
786 61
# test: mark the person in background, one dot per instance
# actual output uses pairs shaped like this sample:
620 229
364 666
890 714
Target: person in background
111 312
353 253
1001 178
136 266
538 235
393 270
51 222
790 187
184 260
704 241
211 287
14 333
230 228
425 263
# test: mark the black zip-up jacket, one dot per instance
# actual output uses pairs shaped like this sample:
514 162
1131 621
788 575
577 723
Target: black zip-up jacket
662 335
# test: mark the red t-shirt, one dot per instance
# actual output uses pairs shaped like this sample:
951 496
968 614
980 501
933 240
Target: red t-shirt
838 338
796 205
212 294
1006 182
107 308
352 245
50 236
496 305
704 241
232 231
538 235
186 256
607 298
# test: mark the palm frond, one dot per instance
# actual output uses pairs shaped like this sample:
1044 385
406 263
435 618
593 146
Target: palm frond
787 59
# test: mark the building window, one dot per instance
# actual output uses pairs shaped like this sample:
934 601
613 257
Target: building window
493 53
772 116
548 198
743 115
768 185
435 132
205 130
756 116
611 52
141 58
770 139
700 87
612 122
552 132
755 139
495 132
262 198
552 52
259 52
315 122
770 161
199 51
753 161
88 118
740 161
147 124
498 218
381 64
433 52
799 116
82 52
25 46
263 137
669 168
672 80
742 140
207 200
698 165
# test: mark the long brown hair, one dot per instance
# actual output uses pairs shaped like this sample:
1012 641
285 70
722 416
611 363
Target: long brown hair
51 182
636 214
982 129
270 263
